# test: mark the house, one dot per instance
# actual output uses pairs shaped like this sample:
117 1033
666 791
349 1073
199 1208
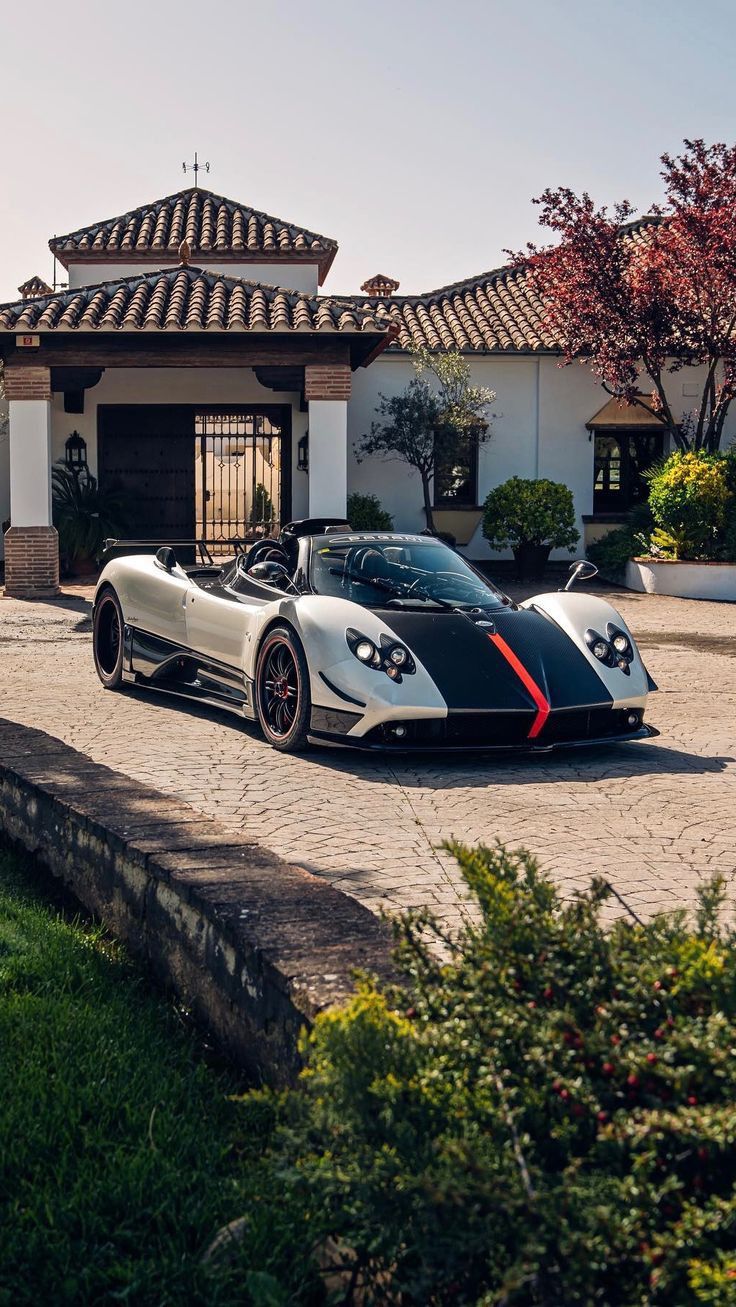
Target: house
196 360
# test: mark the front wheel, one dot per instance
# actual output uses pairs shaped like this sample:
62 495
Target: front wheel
107 640
282 690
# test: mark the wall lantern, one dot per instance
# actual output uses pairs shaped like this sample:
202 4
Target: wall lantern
302 453
75 454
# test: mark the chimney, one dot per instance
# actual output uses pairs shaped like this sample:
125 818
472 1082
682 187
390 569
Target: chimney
380 287
34 288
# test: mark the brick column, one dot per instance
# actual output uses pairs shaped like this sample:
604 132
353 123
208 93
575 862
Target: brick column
327 390
31 543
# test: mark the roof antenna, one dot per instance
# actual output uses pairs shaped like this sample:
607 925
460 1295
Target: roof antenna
195 167
57 285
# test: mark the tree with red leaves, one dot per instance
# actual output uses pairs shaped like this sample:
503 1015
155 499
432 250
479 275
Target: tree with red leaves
650 296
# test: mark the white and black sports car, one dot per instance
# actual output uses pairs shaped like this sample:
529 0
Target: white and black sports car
374 640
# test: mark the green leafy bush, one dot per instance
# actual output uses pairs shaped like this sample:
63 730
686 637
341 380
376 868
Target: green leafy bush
544 1115
365 513
612 552
262 512
520 512
688 497
728 539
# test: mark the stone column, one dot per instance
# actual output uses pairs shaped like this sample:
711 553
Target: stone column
31 542
327 391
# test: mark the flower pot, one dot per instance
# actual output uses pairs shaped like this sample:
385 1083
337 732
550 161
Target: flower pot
683 580
531 561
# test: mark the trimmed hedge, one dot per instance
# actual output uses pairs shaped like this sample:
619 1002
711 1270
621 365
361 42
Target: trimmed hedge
538 512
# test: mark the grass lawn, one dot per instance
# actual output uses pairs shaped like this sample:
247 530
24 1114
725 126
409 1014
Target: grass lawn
121 1149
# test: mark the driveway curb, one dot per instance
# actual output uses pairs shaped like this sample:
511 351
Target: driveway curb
254 946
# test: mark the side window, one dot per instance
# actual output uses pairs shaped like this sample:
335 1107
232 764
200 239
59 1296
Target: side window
456 473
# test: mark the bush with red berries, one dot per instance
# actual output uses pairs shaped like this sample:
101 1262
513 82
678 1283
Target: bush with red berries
541 1112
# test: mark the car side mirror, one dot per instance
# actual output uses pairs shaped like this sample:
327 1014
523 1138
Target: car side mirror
581 571
166 558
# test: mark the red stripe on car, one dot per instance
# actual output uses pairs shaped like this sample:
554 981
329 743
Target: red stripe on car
542 704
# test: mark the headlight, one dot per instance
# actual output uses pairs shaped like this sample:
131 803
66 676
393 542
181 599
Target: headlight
392 658
365 651
601 650
620 643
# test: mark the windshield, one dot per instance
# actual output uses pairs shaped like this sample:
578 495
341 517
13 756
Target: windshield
399 571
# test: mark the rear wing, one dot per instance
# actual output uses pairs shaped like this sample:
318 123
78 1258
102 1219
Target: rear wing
114 548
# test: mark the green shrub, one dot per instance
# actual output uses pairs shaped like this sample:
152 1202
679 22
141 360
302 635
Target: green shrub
262 512
522 512
545 1114
612 552
365 514
688 496
728 538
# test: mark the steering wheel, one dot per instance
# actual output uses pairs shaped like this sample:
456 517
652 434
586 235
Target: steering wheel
440 581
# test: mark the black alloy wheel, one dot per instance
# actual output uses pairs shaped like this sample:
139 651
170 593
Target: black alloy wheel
107 640
282 690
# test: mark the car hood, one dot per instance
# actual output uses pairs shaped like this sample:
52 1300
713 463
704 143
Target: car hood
508 660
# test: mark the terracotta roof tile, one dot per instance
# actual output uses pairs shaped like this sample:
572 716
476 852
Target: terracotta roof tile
210 223
188 299
494 312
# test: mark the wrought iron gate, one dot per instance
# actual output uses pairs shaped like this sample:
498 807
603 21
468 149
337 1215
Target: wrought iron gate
238 477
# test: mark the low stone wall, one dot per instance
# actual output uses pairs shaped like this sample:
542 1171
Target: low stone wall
253 946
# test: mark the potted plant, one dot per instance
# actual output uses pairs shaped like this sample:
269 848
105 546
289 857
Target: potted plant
530 517
430 421
84 517
691 550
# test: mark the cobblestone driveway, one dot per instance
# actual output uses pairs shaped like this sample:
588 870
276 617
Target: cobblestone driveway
653 817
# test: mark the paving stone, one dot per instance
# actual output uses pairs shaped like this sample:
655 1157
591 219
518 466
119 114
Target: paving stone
654 817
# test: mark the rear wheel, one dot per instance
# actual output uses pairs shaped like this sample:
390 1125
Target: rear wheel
107 640
282 690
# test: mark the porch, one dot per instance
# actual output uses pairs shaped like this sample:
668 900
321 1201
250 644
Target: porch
218 406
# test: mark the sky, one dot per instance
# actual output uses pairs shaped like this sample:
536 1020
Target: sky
414 132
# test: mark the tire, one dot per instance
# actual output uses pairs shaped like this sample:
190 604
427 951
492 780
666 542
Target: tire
107 640
283 701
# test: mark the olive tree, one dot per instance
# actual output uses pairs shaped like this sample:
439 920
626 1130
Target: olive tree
439 415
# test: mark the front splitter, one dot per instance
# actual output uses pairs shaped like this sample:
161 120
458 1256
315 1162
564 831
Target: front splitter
645 732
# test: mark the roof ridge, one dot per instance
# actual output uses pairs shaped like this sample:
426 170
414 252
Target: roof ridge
180 194
193 272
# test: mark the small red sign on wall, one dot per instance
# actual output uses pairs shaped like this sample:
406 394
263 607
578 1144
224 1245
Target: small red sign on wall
28 342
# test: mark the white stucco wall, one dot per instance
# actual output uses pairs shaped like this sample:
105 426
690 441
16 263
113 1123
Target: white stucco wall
539 431
327 457
293 276
177 386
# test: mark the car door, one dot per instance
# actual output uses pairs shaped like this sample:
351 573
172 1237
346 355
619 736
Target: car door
157 600
219 623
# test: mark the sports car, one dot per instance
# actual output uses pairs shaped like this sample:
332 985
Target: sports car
375 640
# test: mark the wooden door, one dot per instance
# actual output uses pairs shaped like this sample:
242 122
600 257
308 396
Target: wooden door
148 452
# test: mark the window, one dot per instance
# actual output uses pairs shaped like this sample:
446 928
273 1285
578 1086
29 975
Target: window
621 459
455 472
